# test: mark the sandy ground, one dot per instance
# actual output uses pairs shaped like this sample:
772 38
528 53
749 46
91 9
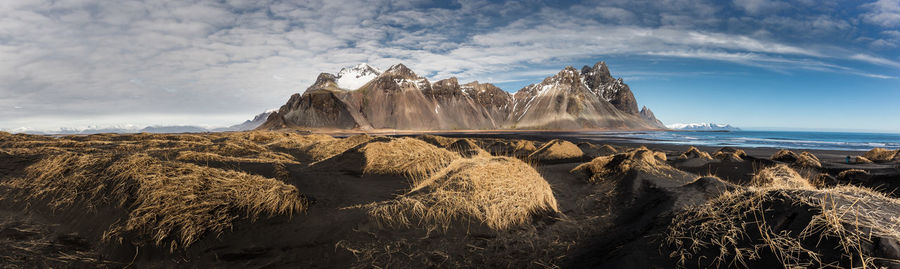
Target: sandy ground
615 223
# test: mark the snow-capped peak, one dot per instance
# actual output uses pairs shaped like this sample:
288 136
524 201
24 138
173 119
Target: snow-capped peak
354 77
701 126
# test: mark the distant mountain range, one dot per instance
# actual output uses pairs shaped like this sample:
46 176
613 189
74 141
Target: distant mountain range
702 127
245 126
364 98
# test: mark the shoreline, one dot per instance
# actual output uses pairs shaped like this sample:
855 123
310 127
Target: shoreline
712 139
835 156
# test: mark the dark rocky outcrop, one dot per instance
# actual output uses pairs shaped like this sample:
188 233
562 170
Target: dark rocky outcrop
615 91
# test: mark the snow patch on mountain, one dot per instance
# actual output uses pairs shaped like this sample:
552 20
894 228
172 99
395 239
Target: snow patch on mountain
355 77
704 126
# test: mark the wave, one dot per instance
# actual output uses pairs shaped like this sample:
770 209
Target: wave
791 140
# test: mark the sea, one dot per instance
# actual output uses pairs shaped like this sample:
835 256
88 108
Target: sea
762 139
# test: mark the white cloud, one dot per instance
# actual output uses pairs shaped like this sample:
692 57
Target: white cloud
96 61
875 60
760 6
883 12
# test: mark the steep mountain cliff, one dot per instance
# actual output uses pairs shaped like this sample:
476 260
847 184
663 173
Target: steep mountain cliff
251 124
648 116
563 101
615 91
363 97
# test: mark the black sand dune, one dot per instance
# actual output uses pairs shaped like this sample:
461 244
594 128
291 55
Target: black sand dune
287 200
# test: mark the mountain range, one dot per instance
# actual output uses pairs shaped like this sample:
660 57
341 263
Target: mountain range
703 127
365 98
244 126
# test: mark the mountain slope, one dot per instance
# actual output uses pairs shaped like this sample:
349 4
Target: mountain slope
395 100
250 124
563 101
648 116
400 99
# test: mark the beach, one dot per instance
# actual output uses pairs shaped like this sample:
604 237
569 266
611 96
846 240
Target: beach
458 199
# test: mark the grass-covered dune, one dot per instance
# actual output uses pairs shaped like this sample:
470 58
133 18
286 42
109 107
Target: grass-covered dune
288 199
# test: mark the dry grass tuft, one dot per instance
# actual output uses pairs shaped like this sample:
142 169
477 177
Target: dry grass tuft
779 176
499 192
616 165
785 156
882 155
804 159
608 148
168 203
594 151
808 160
861 159
790 228
556 150
324 149
738 152
297 145
512 148
264 157
852 175
728 156
693 153
405 156
438 141
467 148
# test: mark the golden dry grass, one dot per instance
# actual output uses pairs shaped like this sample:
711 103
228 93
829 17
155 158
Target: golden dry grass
405 156
263 157
438 141
641 158
556 150
779 176
513 148
594 151
804 159
852 174
168 203
499 192
807 159
297 145
739 152
784 155
861 159
728 156
609 149
834 228
324 149
882 155
467 148
693 153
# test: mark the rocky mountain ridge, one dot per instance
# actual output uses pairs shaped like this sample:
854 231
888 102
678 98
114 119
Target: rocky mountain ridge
398 98
703 127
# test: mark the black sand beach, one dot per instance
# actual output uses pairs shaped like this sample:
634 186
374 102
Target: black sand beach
368 201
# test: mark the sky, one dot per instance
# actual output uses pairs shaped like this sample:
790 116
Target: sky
756 64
